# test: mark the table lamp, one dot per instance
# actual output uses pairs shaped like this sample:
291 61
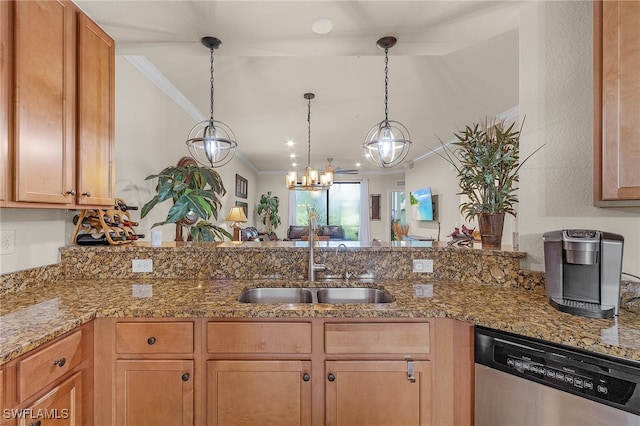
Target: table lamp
237 216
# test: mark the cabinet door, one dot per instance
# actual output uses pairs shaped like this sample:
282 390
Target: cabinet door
5 97
620 149
95 143
44 47
61 406
154 392
258 393
377 393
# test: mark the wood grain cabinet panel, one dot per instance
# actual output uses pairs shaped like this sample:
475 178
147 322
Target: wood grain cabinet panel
5 97
37 371
154 392
96 106
154 337
617 102
377 393
258 393
45 100
259 337
61 406
389 338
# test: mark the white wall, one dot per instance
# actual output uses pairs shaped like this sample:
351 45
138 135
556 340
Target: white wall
556 94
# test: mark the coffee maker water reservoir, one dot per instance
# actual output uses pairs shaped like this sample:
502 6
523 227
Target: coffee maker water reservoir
583 270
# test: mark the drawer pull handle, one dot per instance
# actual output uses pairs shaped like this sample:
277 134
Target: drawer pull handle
185 377
60 362
87 194
306 377
331 377
151 340
38 423
71 192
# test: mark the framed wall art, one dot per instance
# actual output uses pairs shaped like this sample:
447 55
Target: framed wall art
241 186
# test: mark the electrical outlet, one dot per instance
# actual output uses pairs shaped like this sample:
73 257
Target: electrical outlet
142 265
8 240
423 265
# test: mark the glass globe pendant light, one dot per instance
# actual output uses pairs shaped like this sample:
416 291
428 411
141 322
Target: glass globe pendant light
211 143
388 142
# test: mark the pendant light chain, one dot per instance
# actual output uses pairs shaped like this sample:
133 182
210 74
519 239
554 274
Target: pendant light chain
309 132
386 83
211 81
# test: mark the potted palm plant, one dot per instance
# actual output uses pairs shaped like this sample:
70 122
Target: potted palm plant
195 192
268 210
486 157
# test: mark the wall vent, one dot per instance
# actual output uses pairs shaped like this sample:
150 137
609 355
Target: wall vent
399 183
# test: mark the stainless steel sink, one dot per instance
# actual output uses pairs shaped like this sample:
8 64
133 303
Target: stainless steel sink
276 295
332 295
340 295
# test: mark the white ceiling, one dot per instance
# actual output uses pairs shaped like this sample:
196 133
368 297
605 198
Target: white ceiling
455 62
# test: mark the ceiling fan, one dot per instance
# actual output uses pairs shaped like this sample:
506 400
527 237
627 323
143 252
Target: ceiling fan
341 171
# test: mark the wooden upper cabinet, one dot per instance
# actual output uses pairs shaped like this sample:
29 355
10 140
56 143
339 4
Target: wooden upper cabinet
95 144
5 85
44 99
617 103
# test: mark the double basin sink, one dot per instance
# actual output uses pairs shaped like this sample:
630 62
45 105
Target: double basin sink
331 295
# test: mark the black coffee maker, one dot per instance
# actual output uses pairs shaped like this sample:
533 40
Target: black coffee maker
583 269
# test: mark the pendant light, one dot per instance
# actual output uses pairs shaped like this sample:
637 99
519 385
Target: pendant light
387 143
310 179
211 143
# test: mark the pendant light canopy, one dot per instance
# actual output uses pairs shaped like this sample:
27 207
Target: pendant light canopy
211 143
388 142
310 179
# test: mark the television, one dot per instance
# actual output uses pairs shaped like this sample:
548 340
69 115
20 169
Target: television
423 204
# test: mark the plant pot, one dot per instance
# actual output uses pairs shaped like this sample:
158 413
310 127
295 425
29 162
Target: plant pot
491 225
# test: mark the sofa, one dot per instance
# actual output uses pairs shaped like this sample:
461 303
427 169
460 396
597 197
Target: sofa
251 234
334 232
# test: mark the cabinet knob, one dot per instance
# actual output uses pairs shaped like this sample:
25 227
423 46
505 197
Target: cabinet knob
306 377
331 377
185 377
87 194
72 192
151 340
60 362
38 423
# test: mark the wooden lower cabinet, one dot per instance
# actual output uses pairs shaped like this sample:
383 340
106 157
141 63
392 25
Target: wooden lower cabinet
154 392
61 406
378 393
259 393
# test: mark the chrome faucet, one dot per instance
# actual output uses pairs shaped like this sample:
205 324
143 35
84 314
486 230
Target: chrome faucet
347 274
313 266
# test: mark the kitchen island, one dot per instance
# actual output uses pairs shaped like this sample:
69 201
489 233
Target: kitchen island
193 291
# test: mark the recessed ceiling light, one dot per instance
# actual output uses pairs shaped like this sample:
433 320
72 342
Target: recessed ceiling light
290 143
322 26
294 164
292 155
357 164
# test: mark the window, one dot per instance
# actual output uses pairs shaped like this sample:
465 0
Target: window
340 205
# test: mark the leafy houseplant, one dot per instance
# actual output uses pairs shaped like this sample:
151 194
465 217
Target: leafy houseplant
487 159
196 193
268 209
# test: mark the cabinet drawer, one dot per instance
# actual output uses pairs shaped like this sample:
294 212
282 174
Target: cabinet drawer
379 338
154 337
258 337
37 371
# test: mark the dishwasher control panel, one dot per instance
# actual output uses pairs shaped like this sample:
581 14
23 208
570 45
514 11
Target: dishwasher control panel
594 376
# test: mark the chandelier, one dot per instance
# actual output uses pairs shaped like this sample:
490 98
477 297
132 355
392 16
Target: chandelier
211 143
310 179
387 143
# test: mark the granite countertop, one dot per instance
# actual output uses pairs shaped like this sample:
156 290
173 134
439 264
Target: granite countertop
37 314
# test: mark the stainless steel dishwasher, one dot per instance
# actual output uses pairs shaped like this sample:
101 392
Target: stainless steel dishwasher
522 381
